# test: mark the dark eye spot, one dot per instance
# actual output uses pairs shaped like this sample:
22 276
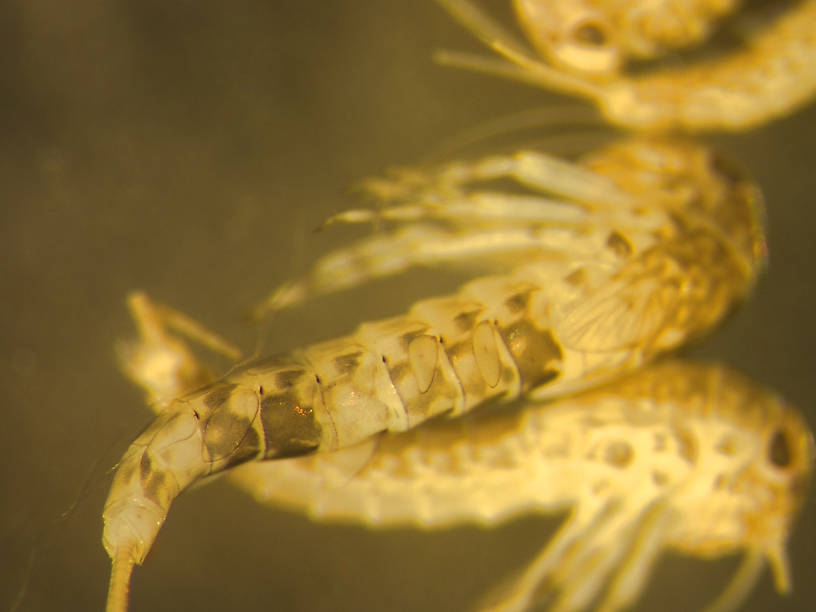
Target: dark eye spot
590 33
779 451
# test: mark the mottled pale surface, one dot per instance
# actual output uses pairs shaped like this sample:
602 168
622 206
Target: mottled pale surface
190 151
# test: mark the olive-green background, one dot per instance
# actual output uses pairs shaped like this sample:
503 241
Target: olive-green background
189 148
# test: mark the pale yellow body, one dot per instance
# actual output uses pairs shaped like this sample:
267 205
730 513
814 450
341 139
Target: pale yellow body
679 457
769 76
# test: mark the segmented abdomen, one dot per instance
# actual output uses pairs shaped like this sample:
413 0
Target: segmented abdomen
658 428
554 325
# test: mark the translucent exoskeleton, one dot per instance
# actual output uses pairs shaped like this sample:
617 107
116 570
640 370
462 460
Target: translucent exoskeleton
768 76
642 245
680 456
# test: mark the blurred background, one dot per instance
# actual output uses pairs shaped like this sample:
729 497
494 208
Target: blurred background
189 149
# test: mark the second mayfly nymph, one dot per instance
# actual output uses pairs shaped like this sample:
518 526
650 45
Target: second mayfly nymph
643 245
767 77
679 456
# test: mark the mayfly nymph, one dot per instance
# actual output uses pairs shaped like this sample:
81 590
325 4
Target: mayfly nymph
643 245
678 457
769 76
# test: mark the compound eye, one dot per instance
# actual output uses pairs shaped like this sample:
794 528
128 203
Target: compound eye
589 47
780 453
590 33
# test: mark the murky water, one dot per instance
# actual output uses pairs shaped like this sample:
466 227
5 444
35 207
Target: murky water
189 149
